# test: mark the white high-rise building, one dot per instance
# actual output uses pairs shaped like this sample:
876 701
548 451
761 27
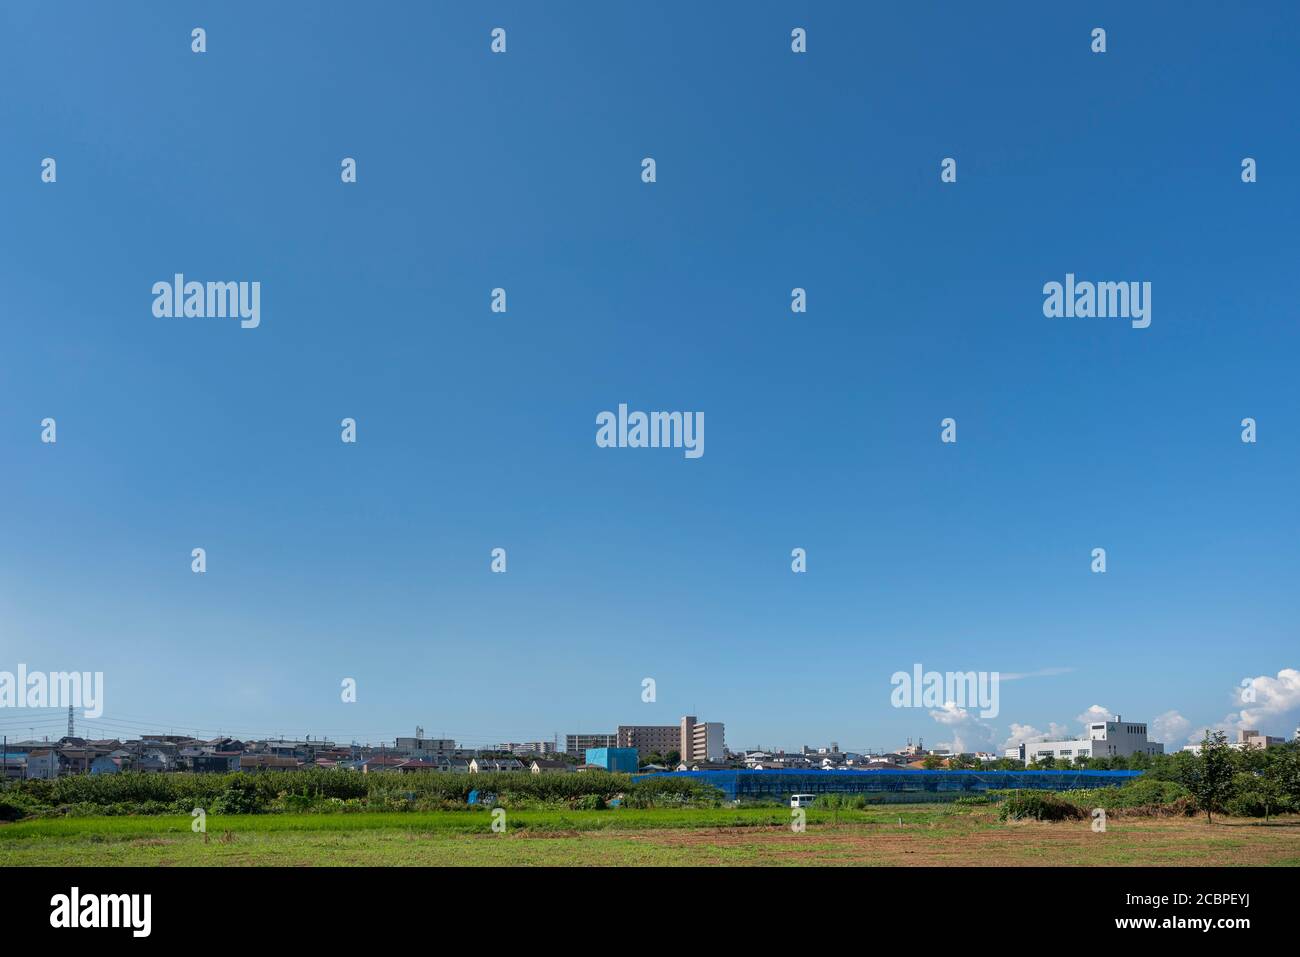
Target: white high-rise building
702 740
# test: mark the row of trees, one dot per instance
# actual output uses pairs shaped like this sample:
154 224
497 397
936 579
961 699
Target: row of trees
1219 777
1267 778
667 760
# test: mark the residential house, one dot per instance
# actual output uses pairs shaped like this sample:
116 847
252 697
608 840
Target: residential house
540 766
482 765
13 765
113 763
45 765
266 762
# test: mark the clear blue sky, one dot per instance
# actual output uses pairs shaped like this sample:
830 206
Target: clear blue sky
476 430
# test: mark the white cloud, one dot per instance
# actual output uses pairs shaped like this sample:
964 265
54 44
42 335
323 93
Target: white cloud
1095 713
968 734
1028 734
1170 726
1268 704
951 714
1266 700
1040 673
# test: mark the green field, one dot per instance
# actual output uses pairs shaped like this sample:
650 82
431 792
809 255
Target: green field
912 835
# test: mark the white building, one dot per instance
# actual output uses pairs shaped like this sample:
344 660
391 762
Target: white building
1245 739
424 749
1106 739
702 740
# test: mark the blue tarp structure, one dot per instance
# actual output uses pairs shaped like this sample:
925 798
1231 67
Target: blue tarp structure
942 784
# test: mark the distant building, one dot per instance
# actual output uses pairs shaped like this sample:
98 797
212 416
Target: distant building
44 765
650 739
702 741
428 749
266 762
540 766
112 763
484 765
526 748
577 744
218 762
13 765
775 760
1106 739
613 759
1245 739
1253 739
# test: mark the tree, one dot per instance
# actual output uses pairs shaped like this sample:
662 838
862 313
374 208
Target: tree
1282 775
1211 777
932 762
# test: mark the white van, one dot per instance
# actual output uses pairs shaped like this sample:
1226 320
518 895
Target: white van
802 800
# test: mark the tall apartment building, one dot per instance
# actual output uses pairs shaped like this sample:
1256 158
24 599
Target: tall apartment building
1106 739
650 739
702 740
577 744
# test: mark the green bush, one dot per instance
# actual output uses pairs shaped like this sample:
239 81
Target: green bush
1247 804
239 797
1039 806
318 789
840 802
14 806
1144 792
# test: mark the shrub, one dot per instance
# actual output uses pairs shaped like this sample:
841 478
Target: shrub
1144 793
15 806
1039 806
315 789
1246 804
840 802
239 797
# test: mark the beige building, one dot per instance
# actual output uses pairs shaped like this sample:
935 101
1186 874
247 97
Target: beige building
650 739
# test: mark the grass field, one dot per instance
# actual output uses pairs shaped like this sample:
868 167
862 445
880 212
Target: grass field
913 835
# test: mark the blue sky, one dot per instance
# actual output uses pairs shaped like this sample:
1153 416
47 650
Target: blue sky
476 430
